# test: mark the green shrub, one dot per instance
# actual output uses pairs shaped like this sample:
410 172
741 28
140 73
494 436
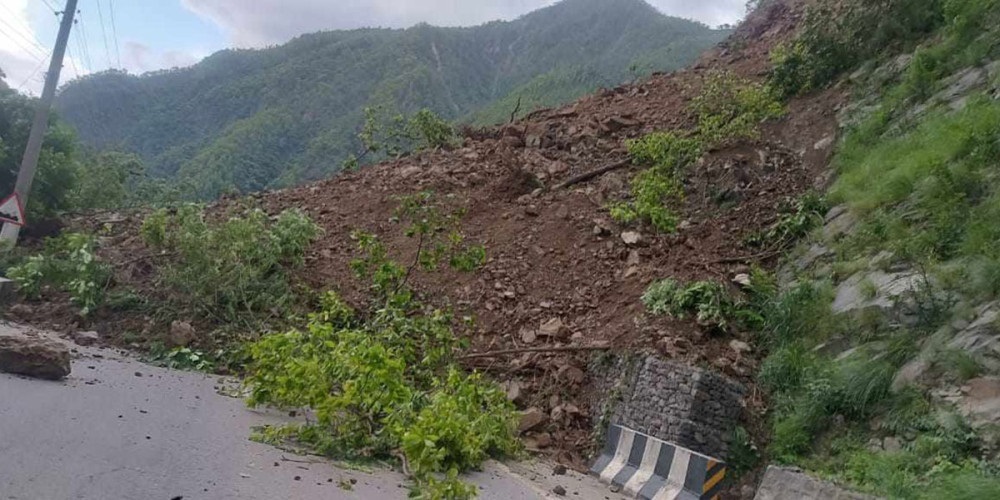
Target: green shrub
233 270
708 301
795 220
69 263
387 135
838 35
730 108
382 384
659 187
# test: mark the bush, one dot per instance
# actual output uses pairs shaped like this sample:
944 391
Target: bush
654 190
838 35
69 263
708 301
234 270
384 384
730 108
388 135
795 220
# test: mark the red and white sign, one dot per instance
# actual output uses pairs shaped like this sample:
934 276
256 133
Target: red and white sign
11 210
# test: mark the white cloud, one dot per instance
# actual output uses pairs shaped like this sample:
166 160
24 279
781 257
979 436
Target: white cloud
139 58
265 22
23 57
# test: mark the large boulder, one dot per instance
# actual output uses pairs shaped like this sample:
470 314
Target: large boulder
34 356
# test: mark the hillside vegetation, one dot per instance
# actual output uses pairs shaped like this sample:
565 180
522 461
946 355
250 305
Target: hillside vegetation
879 363
245 120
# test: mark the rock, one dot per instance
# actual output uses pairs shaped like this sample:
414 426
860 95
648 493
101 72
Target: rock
601 227
531 210
631 238
572 374
553 328
980 402
742 279
181 334
633 259
981 338
543 440
838 222
33 356
562 212
782 483
559 490
824 143
559 470
513 390
86 338
909 374
410 171
892 444
739 346
528 336
531 419
892 292
630 271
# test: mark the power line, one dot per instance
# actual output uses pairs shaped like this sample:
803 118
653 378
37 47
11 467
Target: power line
31 42
82 50
114 31
32 75
86 45
49 5
29 50
104 32
72 62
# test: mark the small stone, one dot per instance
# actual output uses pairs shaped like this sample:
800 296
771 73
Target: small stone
559 490
601 227
531 210
742 279
633 259
138 374
615 488
86 338
528 336
892 445
562 212
559 470
543 440
631 238
553 328
739 346
532 418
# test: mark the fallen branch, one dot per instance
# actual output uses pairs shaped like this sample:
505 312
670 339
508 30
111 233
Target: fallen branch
494 354
748 258
593 173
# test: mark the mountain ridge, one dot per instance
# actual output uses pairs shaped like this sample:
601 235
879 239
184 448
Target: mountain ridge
249 119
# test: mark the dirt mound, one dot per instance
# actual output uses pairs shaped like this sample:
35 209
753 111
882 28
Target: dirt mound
554 255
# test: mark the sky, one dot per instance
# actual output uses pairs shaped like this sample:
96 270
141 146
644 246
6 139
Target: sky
147 35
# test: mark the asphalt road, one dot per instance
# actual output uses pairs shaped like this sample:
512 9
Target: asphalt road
120 429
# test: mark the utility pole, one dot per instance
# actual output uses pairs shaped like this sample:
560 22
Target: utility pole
9 233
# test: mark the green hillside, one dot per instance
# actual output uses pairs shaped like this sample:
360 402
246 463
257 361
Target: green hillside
252 119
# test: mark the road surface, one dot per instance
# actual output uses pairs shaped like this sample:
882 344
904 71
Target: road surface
118 429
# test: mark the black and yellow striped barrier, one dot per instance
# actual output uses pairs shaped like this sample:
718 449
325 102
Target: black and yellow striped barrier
652 469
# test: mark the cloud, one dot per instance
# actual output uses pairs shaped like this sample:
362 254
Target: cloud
23 57
265 22
139 58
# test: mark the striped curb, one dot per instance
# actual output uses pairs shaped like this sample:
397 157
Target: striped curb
653 469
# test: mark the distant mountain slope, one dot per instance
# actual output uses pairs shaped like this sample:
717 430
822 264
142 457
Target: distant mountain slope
252 119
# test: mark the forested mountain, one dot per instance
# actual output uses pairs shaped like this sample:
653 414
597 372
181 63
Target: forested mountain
252 119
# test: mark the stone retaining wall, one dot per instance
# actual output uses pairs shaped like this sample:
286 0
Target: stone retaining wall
680 404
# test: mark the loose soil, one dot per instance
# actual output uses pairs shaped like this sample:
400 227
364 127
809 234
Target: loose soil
555 253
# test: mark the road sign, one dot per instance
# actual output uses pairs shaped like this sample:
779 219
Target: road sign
11 210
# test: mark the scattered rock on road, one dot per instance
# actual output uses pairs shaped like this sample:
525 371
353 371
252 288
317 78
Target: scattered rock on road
86 338
33 356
